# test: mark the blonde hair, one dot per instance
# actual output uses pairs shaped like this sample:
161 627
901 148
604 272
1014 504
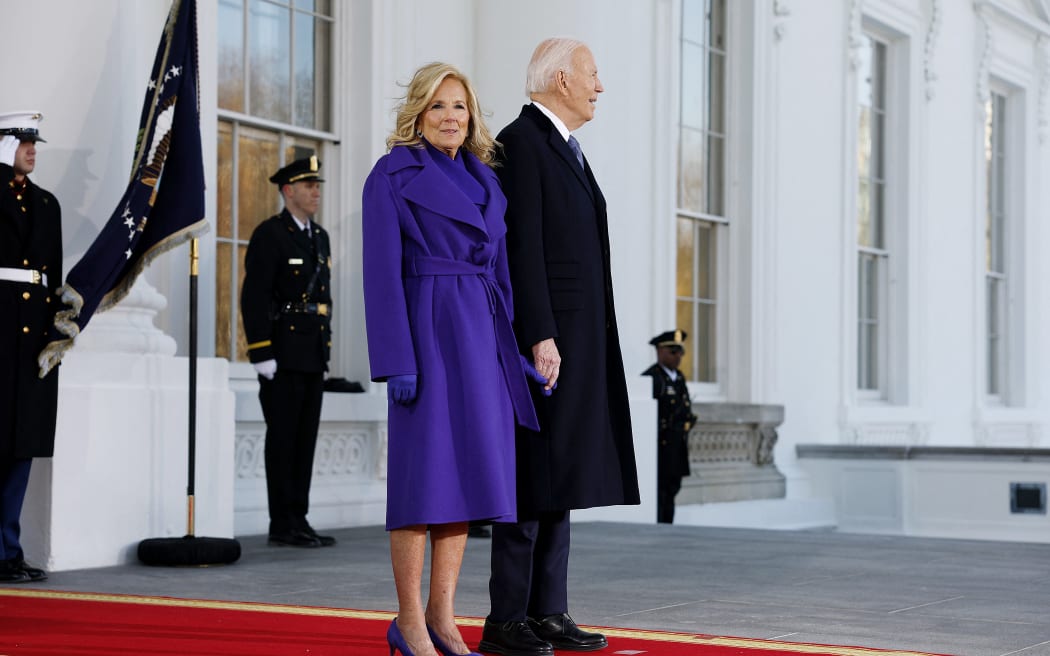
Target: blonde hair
419 92
551 56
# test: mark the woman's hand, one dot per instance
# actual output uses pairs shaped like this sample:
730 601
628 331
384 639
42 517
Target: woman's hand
401 389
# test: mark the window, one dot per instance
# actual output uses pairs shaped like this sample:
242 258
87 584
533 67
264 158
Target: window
274 85
873 254
701 215
995 247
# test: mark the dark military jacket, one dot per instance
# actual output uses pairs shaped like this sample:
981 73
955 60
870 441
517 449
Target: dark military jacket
284 317
675 419
30 238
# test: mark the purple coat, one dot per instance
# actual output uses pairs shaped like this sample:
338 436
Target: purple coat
438 305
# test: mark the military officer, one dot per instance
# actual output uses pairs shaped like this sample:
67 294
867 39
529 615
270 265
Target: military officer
675 419
30 273
286 306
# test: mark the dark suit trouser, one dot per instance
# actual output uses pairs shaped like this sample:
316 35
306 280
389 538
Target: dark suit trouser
14 479
530 567
291 405
666 490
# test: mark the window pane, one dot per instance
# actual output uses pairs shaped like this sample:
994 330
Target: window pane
270 53
867 322
684 320
685 259
242 342
716 93
694 17
224 303
715 167
691 170
311 71
994 338
231 55
717 25
299 148
705 343
865 72
224 180
693 86
864 143
707 252
258 199
865 236
322 7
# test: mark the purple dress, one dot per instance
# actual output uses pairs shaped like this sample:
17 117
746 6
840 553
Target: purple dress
437 304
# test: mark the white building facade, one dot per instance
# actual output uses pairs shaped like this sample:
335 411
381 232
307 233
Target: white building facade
845 205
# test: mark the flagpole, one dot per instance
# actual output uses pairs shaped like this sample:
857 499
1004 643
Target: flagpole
194 264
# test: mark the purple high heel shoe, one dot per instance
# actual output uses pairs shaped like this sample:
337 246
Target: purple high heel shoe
396 640
440 645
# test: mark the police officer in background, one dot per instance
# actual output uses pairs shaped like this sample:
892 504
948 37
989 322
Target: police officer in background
676 418
286 306
30 274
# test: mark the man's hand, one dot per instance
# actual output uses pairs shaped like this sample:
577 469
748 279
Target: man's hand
401 389
534 375
8 148
548 361
266 368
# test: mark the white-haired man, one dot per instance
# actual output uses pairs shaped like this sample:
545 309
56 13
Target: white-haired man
558 254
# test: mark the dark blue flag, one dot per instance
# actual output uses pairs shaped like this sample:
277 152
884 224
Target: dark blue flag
163 205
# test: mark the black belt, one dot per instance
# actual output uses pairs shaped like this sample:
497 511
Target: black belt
305 308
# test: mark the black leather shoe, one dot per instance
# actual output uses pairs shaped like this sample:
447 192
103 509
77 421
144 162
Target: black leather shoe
9 573
293 539
512 639
325 540
562 633
34 573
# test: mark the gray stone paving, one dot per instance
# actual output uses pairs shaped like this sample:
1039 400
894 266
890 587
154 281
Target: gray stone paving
957 597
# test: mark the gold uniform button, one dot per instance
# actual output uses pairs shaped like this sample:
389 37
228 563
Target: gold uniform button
25 262
25 296
25 329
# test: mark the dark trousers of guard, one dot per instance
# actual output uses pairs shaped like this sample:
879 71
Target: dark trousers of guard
667 488
291 405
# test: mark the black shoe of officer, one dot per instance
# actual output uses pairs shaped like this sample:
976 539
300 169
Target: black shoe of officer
11 573
34 573
293 539
512 639
561 631
325 540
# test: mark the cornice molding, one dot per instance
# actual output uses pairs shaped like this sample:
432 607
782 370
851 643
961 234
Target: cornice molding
1038 23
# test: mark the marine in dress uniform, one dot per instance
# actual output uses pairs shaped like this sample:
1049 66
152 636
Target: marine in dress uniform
675 419
30 274
286 306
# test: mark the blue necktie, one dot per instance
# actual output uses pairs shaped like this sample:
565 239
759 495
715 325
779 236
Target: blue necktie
575 146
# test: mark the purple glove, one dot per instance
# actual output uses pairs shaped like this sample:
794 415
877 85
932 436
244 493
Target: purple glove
530 372
401 389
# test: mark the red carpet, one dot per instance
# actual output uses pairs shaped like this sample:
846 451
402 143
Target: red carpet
41 622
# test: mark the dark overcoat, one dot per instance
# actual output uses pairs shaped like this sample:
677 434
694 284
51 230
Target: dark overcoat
558 250
278 265
29 239
438 305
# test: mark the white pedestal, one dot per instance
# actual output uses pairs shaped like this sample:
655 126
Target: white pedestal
119 474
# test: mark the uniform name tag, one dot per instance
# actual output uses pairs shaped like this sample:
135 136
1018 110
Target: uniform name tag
295 260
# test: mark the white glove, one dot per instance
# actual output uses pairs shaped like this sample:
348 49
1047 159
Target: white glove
266 368
8 147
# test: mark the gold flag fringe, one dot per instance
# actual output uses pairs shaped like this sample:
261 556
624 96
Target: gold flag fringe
65 322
